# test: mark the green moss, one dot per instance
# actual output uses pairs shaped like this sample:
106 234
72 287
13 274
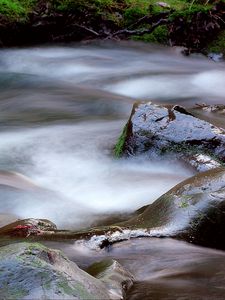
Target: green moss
16 10
118 150
183 204
35 248
188 149
189 11
12 293
132 14
74 289
46 280
159 35
64 286
218 45
83 292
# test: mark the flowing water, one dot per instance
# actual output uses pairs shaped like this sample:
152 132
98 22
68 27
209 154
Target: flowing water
62 109
163 268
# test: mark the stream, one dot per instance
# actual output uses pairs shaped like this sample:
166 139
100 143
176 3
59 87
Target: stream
62 110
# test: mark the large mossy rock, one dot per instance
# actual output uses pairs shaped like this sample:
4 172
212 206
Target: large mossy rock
154 129
32 271
193 210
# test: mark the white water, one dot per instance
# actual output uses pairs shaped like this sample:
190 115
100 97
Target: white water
61 116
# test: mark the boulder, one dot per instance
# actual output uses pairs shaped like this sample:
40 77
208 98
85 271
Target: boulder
193 210
158 130
32 271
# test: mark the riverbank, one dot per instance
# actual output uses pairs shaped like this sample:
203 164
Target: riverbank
198 27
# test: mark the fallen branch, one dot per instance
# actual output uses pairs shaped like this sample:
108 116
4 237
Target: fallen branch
140 31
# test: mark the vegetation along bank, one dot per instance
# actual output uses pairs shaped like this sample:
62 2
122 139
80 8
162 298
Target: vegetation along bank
198 25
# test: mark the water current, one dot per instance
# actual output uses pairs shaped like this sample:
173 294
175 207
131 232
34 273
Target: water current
62 109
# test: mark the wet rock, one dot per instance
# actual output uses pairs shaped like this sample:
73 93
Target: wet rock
154 129
117 279
27 227
193 210
32 271
95 238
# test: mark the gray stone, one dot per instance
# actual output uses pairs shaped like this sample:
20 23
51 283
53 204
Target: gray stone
32 271
154 129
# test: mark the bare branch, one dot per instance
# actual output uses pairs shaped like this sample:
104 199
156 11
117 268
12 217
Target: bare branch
140 31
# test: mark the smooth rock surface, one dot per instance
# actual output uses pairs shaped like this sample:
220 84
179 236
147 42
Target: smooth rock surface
193 210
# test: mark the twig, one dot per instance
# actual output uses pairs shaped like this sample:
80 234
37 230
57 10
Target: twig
87 29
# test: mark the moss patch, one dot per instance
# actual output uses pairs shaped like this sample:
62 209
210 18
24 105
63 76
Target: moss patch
190 150
119 147
159 35
75 289
218 45
16 10
12 293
